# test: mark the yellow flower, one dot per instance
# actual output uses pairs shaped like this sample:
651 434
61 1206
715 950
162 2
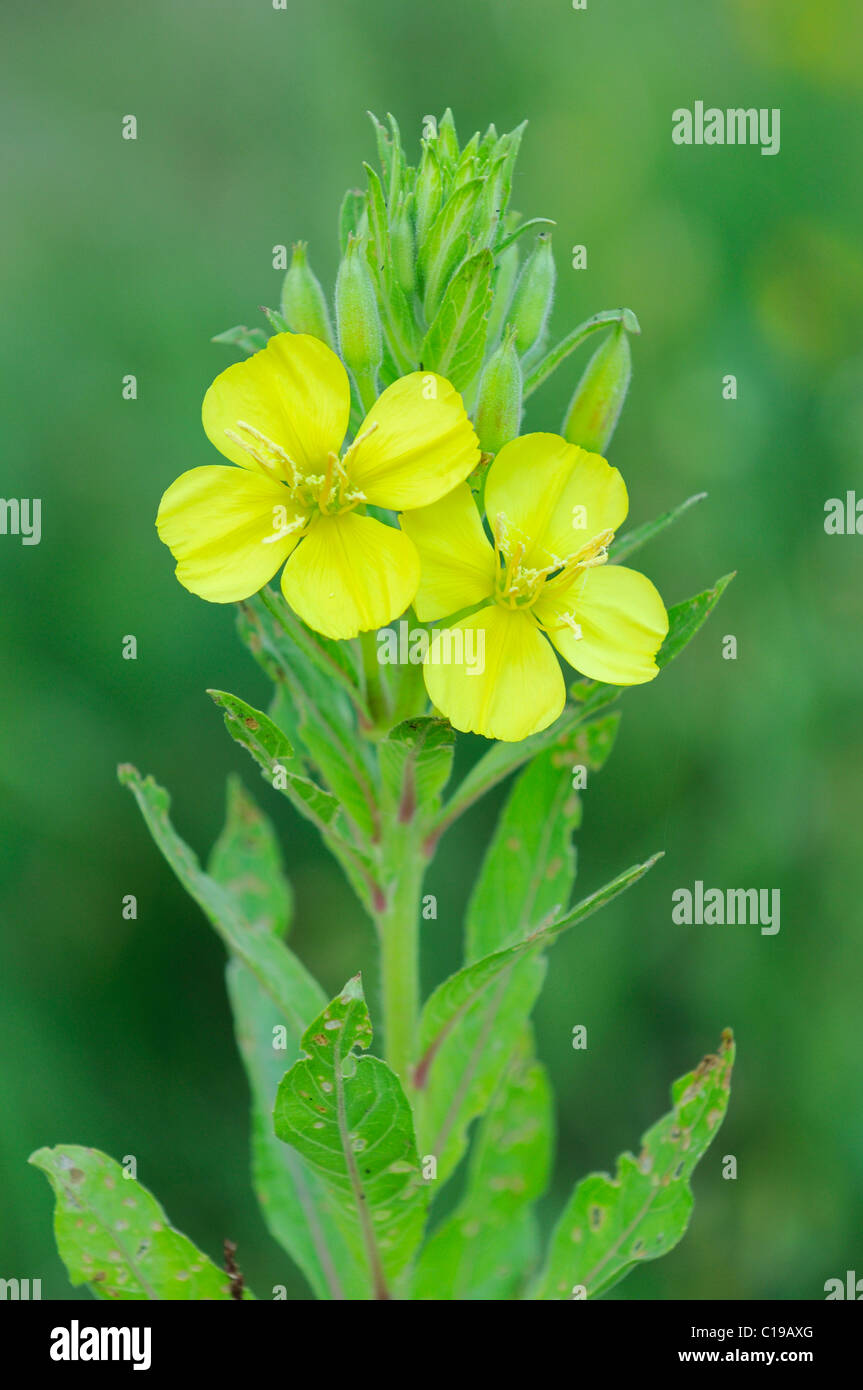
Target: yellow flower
281 416
553 509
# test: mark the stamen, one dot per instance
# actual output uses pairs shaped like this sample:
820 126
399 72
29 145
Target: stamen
281 455
286 530
364 434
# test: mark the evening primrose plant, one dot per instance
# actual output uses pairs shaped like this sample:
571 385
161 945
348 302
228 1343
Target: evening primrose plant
375 464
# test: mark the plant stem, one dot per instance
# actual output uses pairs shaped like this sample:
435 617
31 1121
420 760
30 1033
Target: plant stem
398 931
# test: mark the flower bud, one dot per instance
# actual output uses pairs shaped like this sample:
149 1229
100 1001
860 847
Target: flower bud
304 305
359 325
403 247
498 412
534 293
598 400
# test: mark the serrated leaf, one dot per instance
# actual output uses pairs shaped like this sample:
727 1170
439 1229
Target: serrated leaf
529 867
471 1023
612 1224
416 761
454 345
281 975
349 1117
487 1247
113 1235
630 541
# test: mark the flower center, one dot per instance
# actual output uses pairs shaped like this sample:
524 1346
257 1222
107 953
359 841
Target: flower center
519 586
329 492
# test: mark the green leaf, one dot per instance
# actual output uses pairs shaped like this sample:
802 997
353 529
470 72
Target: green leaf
627 544
524 227
273 752
325 704
559 353
248 340
529 867
247 862
610 1225
350 216
489 1243
275 319
293 1196
348 1116
113 1236
280 974
376 203
447 243
509 146
416 761
499 761
684 619
472 1021
454 345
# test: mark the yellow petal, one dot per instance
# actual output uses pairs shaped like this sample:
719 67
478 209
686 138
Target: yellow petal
295 392
219 524
420 444
622 619
351 574
539 481
457 562
519 691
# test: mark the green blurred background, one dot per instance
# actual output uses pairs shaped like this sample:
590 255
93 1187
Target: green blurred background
126 257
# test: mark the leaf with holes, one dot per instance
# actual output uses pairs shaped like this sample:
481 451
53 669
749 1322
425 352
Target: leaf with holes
349 1118
113 1236
610 1225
